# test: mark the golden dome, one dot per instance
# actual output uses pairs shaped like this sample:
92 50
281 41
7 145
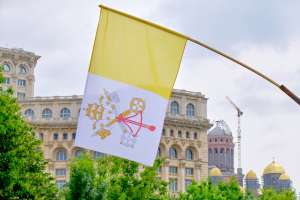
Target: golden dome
215 172
251 175
284 177
273 168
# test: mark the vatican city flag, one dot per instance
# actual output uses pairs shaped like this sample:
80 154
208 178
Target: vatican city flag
132 71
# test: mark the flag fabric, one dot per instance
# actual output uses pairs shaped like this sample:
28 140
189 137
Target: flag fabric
131 75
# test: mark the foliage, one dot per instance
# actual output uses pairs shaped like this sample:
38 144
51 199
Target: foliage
230 191
112 178
206 190
22 166
281 195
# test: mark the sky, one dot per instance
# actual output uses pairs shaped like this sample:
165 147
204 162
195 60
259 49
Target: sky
263 34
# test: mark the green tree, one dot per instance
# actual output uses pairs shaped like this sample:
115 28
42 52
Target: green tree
82 179
22 166
278 195
112 178
206 190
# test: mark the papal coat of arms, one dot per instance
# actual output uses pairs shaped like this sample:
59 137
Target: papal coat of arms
106 114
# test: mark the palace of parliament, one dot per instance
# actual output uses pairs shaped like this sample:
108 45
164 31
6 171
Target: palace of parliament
192 146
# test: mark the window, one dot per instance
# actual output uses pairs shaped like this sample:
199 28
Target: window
60 183
65 136
179 134
21 95
164 132
174 108
29 113
98 154
190 110
6 67
60 172
22 69
65 113
55 136
47 113
195 135
187 134
216 150
78 153
189 154
73 136
222 150
6 80
189 171
187 182
171 133
172 170
61 155
21 82
172 153
173 184
41 136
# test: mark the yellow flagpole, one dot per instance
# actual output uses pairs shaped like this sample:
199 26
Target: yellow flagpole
248 67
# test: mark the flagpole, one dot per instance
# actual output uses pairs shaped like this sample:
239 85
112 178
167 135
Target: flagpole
280 86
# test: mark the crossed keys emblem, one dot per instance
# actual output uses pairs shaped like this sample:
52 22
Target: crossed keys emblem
106 114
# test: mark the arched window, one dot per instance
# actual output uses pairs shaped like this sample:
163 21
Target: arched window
222 151
29 113
216 150
179 134
22 69
171 133
65 113
187 134
173 153
47 113
195 135
190 110
61 155
6 67
174 108
189 154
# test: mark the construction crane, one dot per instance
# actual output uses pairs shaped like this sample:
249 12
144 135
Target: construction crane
239 114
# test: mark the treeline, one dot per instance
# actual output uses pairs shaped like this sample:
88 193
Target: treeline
111 178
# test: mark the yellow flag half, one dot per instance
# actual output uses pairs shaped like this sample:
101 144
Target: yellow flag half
135 52
132 71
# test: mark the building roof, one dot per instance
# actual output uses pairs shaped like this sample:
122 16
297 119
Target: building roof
215 172
220 129
273 168
251 175
284 177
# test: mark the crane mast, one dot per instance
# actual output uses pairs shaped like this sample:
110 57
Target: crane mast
239 132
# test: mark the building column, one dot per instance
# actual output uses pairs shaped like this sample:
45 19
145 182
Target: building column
181 177
197 172
165 171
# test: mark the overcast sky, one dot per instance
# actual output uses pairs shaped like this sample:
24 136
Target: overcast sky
264 34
